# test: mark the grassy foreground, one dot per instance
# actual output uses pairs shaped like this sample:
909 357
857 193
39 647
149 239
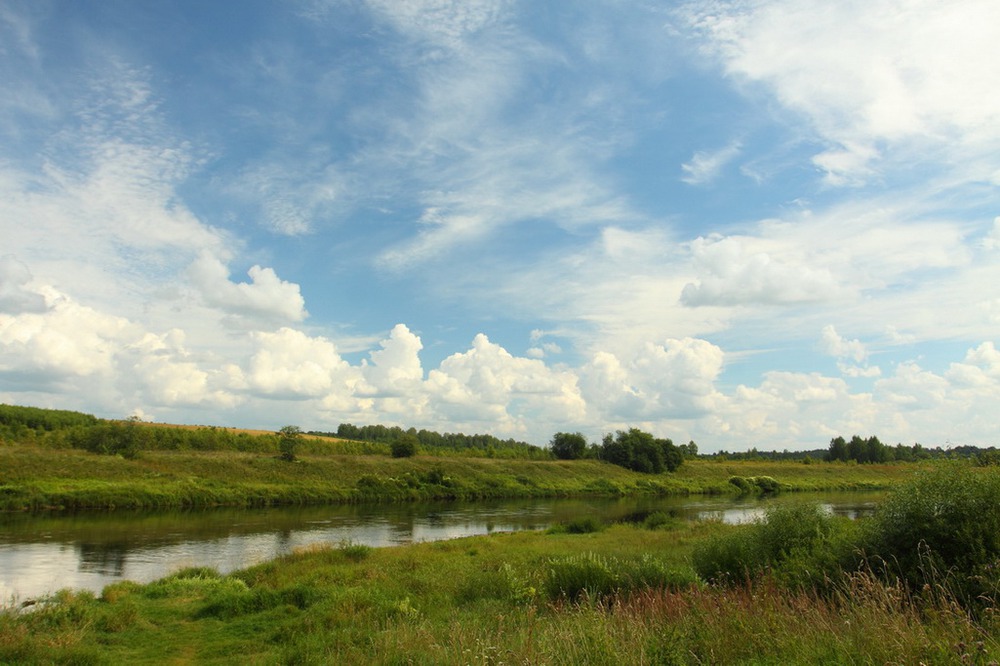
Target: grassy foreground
34 477
524 598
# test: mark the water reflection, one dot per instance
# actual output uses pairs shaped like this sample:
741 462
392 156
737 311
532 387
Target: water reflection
42 554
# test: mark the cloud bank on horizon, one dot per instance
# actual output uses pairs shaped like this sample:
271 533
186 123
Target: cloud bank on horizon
759 223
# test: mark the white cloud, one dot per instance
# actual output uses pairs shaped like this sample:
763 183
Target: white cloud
68 340
265 297
705 166
288 364
731 273
487 384
394 369
832 344
16 296
673 380
992 239
169 377
868 72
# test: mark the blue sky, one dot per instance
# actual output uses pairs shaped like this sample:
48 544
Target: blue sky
760 223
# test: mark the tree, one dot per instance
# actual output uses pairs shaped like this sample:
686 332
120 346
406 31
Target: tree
640 451
838 450
673 456
568 446
288 441
405 446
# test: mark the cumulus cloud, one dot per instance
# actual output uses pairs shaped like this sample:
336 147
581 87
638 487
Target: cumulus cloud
289 364
488 384
394 369
266 296
16 296
744 271
832 344
674 379
66 341
169 377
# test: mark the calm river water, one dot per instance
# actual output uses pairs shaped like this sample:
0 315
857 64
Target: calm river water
40 554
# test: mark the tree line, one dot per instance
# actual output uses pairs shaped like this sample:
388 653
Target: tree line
429 440
632 449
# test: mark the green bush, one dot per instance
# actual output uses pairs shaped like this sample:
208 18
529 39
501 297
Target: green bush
742 484
799 543
943 527
404 447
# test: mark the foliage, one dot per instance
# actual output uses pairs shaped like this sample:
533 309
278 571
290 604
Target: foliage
405 446
37 418
123 438
288 442
640 452
593 576
871 450
431 442
944 524
532 598
799 543
568 446
582 525
765 485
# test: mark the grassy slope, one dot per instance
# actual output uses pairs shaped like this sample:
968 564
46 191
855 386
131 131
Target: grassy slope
33 477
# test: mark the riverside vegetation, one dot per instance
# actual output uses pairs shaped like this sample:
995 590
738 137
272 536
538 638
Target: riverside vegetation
48 461
917 582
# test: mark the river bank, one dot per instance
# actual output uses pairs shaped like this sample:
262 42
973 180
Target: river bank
504 598
37 478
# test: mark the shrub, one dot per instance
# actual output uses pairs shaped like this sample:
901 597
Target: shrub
404 447
742 484
584 525
288 442
799 543
944 526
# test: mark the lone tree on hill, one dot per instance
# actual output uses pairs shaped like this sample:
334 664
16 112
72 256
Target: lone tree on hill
288 441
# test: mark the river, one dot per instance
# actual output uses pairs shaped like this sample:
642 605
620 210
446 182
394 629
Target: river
40 554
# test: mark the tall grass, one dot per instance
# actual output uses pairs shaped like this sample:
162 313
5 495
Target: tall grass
624 595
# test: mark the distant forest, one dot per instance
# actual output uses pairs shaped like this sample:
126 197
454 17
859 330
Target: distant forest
429 440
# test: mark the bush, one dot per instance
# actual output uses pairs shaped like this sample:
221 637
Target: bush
742 484
404 447
288 442
942 527
800 544
578 526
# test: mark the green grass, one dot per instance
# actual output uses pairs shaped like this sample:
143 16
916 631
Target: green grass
622 595
34 477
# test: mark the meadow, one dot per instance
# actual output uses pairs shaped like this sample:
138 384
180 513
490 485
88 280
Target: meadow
35 477
918 582
652 591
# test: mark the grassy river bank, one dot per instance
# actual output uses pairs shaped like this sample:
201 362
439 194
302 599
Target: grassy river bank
642 592
33 477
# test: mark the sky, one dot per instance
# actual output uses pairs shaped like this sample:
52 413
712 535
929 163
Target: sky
747 223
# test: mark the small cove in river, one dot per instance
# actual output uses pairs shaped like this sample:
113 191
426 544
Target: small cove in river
43 553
